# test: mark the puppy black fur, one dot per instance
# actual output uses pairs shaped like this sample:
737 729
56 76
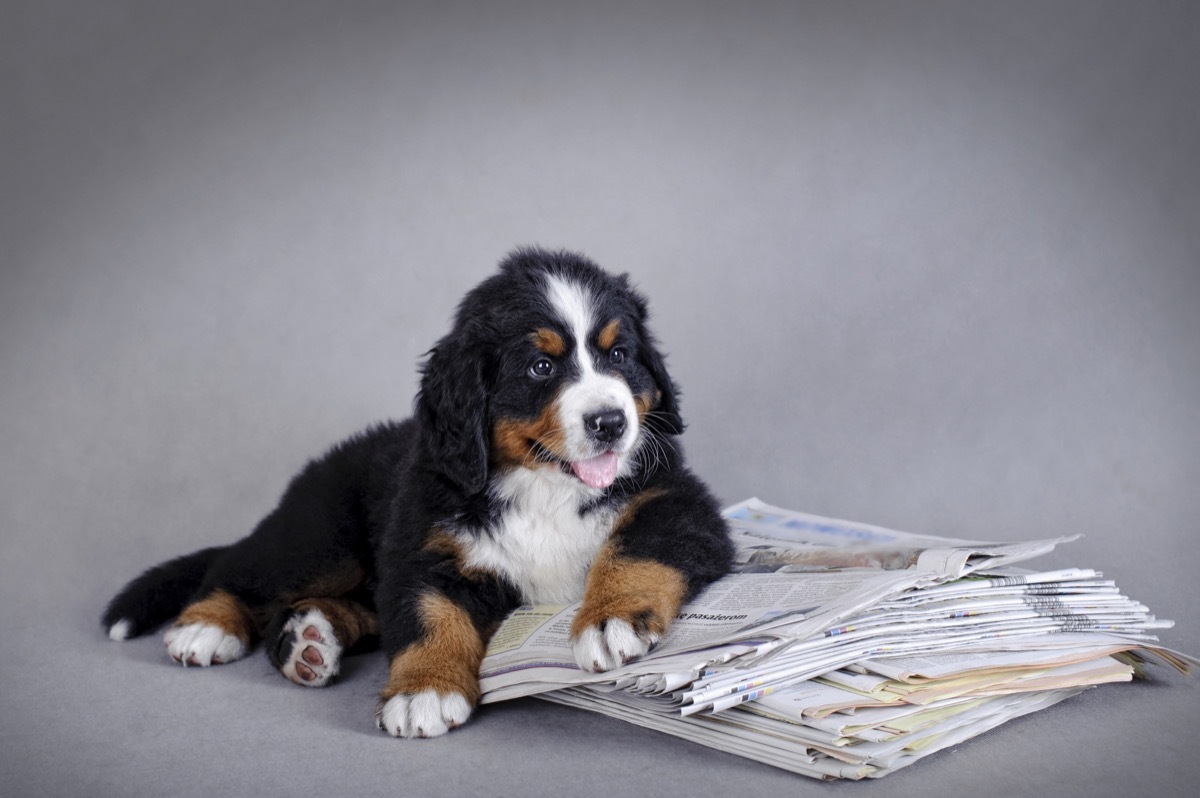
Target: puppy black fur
541 465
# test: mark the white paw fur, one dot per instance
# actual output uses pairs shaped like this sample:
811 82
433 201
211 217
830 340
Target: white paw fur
327 646
604 651
120 630
424 714
202 644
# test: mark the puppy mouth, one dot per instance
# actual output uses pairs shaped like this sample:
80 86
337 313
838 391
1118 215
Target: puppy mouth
597 472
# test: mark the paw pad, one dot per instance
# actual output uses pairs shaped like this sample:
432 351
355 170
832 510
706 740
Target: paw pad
315 655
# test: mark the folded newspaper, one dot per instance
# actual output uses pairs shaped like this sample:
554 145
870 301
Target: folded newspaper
843 650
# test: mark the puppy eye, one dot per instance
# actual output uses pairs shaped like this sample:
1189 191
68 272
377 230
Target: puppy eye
541 368
616 356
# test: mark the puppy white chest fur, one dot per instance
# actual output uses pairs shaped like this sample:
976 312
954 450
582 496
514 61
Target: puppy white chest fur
542 544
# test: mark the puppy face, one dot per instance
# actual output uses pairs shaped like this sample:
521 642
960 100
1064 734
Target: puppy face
549 366
571 391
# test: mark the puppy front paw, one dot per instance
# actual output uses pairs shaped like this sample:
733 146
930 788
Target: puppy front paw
423 714
628 606
433 683
610 644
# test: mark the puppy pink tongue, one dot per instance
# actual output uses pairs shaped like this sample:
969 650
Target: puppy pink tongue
597 472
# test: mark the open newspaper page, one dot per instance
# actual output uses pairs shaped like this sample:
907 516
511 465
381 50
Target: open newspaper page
796 576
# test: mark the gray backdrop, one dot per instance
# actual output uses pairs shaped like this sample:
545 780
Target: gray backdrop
928 265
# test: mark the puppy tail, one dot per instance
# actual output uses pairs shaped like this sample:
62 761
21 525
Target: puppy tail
158 595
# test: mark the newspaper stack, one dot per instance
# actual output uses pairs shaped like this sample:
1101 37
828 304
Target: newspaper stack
843 650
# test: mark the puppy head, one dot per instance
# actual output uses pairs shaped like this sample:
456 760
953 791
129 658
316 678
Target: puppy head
549 365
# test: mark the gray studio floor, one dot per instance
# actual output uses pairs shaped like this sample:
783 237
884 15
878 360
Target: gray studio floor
928 265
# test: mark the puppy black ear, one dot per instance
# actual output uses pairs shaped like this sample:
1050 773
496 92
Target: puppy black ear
665 415
452 409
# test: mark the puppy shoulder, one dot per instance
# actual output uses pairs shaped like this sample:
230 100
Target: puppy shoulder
676 520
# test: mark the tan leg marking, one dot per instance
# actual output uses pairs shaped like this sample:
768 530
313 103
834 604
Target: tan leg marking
442 542
446 659
223 610
644 593
350 620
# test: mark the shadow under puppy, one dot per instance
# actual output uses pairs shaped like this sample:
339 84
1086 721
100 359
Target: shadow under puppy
540 467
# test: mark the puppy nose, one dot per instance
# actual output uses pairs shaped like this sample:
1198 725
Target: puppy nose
605 426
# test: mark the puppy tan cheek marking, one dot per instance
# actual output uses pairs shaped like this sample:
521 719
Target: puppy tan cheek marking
608 336
644 404
446 659
644 593
513 439
549 342
223 610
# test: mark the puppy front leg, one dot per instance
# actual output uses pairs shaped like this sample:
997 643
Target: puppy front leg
628 606
666 546
433 682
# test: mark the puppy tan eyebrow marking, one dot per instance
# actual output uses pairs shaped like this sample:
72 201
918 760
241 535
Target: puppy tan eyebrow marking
548 341
608 336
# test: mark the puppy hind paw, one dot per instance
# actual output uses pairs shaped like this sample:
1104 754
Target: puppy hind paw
610 645
202 644
423 714
310 654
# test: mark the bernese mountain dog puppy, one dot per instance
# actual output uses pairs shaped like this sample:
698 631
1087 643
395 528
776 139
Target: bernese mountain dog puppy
540 466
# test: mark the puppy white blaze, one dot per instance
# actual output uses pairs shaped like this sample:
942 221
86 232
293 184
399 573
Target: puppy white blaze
573 304
593 392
